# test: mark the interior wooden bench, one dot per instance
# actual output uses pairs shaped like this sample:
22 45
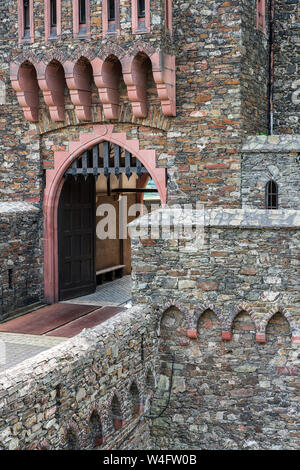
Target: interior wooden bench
109 273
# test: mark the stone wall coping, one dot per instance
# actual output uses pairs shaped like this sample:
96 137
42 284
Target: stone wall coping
227 218
284 143
8 207
54 361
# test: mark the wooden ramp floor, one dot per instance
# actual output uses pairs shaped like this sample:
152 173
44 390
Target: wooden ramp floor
60 320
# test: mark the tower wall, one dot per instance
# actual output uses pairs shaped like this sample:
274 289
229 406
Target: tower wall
286 67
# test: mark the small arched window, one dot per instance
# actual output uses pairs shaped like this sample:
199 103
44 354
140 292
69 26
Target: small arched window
168 16
53 15
141 8
81 17
111 10
26 6
140 16
82 12
271 195
111 17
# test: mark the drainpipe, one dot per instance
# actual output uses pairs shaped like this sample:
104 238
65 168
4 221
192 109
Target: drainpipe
271 66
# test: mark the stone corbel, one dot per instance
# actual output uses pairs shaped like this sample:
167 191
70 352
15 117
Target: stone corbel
78 78
135 78
51 81
164 74
24 82
107 76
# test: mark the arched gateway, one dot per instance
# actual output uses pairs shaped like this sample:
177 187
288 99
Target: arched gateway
101 162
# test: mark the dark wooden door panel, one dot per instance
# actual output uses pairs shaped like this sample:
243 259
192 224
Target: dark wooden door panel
77 229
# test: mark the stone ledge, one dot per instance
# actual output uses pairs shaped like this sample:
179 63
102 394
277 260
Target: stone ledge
284 143
7 207
227 218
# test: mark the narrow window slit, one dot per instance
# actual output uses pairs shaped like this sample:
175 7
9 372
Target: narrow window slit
111 16
26 13
10 278
271 195
53 18
82 16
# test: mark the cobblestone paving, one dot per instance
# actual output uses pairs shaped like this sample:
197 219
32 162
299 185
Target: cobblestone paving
16 348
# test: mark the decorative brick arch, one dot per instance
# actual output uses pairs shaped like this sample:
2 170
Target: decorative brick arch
192 332
54 183
73 427
95 409
160 311
289 318
85 65
172 303
120 422
138 406
243 307
24 82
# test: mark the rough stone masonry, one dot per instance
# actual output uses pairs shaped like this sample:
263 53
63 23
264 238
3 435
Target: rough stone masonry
224 316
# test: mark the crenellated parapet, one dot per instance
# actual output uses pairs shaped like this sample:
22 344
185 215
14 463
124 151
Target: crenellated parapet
105 70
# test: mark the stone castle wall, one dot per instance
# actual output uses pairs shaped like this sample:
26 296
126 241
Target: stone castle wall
254 70
286 67
227 395
20 254
230 316
229 308
47 402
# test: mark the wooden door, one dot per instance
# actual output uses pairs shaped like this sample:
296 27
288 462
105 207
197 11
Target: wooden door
76 238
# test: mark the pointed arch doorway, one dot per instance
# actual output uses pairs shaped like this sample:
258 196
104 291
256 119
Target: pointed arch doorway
69 205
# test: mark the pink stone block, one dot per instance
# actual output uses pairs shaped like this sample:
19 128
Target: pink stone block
192 334
226 335
261 338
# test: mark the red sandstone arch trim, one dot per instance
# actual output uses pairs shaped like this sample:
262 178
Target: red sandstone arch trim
51 80
107 76
54 183
79 78
24 82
